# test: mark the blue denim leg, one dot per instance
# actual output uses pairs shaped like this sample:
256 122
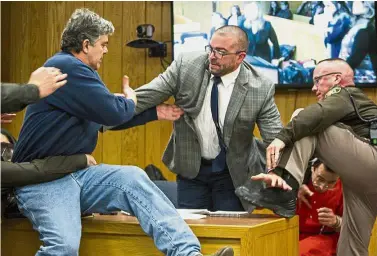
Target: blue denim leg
54 210
107 188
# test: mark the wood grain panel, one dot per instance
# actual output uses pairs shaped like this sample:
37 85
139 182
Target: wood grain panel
112 76
56 20
285 100
372 93
133 60
38 34
115 235
7 51
373 240
71 6
20 65
5 41
304 98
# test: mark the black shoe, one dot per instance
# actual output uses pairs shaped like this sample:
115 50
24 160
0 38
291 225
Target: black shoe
249 192
281 202
226 251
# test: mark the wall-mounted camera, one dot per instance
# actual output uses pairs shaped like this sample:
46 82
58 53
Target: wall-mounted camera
144 34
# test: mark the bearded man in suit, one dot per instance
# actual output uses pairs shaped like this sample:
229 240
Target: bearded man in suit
212 148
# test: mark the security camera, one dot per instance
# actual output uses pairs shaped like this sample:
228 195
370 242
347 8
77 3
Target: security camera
144 34
145 31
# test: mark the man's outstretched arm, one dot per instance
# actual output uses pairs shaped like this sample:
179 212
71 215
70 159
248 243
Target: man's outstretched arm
42 170
42 83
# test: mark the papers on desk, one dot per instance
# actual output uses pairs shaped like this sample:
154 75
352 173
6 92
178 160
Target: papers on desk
196 214
189 214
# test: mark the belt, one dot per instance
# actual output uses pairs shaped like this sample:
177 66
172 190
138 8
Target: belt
206 162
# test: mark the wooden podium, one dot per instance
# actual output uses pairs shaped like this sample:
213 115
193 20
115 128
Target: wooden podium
258 235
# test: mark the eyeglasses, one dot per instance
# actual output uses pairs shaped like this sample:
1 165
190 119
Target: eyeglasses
218 53
318 78
6 151
320 182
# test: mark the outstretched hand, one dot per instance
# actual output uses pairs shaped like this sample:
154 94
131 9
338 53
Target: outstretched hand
303 193
169 112
128 91
272 180
48 80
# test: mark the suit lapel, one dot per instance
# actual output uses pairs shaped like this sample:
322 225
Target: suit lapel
202 92
235 103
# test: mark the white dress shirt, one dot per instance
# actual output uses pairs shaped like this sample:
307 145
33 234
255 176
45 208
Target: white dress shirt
209 141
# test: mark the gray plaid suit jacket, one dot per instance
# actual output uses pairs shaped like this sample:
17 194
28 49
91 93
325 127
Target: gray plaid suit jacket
252 102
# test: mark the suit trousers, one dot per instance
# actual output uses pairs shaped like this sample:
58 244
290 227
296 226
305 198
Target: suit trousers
208 190
355 161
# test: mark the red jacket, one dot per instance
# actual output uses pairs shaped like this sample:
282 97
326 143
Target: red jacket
311 242
332 199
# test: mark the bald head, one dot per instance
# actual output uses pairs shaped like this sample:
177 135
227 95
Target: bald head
242 42
341 66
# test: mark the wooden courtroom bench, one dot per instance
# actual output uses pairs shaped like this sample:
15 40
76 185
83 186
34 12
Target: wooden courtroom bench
121 235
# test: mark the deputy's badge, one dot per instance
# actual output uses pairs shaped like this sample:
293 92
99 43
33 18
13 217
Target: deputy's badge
336 89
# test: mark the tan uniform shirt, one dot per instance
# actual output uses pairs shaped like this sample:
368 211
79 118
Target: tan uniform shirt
336 107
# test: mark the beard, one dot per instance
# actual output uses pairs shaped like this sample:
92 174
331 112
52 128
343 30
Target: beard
222 70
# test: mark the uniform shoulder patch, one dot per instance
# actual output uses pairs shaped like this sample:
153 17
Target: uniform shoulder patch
334 90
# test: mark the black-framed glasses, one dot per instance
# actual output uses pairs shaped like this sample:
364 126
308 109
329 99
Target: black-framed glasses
318 78
6 151
219 54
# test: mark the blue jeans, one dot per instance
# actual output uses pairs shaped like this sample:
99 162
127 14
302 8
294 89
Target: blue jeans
209 190
55 208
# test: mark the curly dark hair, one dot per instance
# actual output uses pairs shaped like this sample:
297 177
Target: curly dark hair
84 24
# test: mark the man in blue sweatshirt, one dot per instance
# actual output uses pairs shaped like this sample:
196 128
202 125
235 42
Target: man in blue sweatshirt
67 123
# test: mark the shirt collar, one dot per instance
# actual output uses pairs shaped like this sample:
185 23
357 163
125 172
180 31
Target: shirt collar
230 78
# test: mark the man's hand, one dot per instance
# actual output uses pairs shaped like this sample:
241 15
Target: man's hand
272 180
128 91
326 217
90 160
169 112
48 80
7 118
303 193
273 153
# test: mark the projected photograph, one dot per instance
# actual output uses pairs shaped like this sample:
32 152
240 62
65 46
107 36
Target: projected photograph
287 38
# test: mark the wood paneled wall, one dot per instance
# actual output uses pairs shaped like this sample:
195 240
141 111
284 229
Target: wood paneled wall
30 33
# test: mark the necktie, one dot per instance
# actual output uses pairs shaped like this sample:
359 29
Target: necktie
219 163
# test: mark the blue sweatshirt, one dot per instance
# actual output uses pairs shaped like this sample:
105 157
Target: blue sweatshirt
67 122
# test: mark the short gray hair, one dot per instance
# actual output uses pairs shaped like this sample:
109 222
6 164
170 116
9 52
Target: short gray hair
84 24
242 39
